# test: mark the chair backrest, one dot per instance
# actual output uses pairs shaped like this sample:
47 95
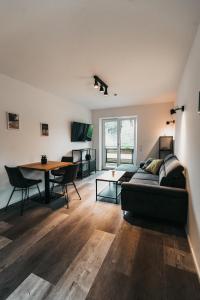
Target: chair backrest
67 159
70 173
15 176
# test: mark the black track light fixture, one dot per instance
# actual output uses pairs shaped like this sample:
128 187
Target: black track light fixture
174 110
106 91
170 122
98 82
101 88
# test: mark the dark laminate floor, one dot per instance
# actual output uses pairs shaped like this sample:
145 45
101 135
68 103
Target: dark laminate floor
90 252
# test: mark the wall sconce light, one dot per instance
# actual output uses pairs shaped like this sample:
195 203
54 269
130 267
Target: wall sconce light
174 110
100 83
170 122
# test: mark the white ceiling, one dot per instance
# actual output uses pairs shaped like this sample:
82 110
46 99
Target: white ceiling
138 47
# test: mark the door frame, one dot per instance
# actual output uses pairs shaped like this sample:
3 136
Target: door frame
118 119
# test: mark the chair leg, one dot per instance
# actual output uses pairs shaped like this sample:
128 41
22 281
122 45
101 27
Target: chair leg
22 201
76 190
10 199
66 198
39 192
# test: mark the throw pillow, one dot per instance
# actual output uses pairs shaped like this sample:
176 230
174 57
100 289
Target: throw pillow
154 166
146 163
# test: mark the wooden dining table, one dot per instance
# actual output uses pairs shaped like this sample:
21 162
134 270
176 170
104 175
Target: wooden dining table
46 168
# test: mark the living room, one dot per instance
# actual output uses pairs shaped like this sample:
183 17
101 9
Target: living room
89 91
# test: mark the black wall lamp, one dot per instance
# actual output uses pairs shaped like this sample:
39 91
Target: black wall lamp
98 83
170 122
174 110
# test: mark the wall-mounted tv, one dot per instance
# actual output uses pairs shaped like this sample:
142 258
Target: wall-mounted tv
81 132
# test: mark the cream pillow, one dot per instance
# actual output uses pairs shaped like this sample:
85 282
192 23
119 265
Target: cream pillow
154 166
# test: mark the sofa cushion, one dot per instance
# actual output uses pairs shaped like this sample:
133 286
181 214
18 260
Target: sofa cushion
162 175
140 181
128 168
140 170
154 166
173 167
146 176
169 156
146 163
171 173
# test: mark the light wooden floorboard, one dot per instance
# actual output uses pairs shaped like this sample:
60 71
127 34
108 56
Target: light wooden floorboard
32 288
79 277
4 241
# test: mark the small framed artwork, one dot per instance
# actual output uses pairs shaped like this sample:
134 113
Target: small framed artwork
44 128
199 104
12 121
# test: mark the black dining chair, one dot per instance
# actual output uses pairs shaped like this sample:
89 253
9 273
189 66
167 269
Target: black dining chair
20 183
69 176
61 171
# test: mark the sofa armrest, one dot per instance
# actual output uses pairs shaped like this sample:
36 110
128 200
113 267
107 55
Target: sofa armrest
155 189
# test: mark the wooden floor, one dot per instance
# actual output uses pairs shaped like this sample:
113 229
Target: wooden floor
90 252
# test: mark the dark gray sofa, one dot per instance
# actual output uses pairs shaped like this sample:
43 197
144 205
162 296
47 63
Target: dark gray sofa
161 196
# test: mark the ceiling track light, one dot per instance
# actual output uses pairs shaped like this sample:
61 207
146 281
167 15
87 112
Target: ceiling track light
106 92
101 89
98 82
174 110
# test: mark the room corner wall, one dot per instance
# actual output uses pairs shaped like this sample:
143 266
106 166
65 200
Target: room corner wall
26 145
187 146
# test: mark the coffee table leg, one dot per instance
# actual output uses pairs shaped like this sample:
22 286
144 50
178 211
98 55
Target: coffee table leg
96 189
116 192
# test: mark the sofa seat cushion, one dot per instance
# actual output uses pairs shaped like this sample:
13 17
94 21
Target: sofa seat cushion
128 168
140 170
140 181
146 176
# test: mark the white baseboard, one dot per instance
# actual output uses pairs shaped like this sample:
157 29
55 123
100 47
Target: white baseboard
194 257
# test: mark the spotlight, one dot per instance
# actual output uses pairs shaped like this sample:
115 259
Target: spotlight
96 84
106 91
170 122
101 89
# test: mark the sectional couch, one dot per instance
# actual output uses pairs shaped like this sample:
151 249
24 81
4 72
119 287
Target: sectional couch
161 196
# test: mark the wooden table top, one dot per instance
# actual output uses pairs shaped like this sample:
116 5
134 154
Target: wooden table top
50 165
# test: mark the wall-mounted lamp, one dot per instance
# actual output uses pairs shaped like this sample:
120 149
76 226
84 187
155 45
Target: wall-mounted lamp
174 110
100 83
170 122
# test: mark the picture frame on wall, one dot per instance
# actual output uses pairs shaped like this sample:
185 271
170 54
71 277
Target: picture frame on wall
44 129
12 121
199 104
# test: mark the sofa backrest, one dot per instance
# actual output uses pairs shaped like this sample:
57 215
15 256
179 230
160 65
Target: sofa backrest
171 173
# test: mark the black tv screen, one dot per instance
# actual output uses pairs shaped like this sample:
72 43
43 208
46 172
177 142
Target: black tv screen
81 132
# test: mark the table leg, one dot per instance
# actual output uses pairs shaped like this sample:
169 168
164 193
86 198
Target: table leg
96 189
47 188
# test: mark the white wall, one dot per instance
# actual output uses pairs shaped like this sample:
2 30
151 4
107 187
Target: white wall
27 145
188 141
151 123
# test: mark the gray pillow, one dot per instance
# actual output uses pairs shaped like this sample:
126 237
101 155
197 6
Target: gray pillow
147 162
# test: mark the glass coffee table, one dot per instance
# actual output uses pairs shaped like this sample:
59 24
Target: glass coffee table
113 190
